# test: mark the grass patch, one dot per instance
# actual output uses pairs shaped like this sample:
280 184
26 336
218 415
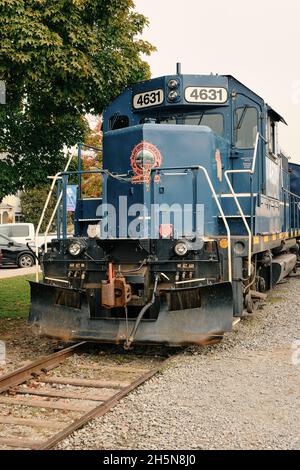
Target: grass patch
275 300
15 297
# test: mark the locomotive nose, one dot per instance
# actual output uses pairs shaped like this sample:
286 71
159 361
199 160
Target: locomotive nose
152 160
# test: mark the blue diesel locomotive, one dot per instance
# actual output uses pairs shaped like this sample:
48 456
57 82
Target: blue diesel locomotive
196 221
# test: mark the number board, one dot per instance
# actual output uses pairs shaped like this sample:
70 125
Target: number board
147 99
201 94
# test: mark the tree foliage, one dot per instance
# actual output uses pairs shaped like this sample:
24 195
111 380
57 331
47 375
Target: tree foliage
60 60
91 184
32 204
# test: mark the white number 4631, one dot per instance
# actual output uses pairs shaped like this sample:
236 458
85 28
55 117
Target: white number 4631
150 98
206 95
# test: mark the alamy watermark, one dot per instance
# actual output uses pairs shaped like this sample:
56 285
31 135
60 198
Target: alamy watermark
2 353
153 221
2 92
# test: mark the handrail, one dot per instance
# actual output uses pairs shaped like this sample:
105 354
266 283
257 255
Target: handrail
65 173
290 193
61 174
55 178
195 167
293 203
89 147
198 167
250 172
51 220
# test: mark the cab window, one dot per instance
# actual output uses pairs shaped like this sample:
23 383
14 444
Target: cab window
214 121
118 122
246 127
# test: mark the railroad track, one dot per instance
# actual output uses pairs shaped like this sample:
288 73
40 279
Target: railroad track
45 401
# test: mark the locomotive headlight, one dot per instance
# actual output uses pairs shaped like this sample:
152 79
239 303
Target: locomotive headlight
173 95
173 83
181 249
75 249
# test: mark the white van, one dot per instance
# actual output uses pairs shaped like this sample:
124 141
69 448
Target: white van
23 233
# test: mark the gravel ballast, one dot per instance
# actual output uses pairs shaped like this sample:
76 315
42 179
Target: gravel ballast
240 394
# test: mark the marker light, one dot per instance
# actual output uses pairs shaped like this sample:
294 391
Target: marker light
173 95
173 83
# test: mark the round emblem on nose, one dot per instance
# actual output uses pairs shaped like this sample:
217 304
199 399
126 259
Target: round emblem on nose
144 157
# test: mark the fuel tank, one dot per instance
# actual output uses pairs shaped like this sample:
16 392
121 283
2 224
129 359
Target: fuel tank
282 266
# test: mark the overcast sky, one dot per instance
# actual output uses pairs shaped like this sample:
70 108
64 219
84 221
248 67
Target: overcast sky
257 41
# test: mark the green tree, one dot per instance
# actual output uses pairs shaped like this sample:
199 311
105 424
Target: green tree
60 60
91 184
32 204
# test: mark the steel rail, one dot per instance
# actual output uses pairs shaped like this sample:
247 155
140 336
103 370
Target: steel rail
37 367
42 366
50 362
98 411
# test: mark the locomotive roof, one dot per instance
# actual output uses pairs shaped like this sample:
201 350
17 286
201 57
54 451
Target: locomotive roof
271 111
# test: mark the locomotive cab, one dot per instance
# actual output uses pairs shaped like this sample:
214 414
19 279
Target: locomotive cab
177 245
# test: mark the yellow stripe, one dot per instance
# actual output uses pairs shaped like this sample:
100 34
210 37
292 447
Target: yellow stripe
256 240
266 239
280 236
274 237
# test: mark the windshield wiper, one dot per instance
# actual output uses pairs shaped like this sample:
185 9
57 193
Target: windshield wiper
200 120
239 124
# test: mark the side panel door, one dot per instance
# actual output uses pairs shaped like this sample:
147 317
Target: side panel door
247 122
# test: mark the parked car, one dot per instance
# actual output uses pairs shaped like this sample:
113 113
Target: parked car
23 233
13 253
